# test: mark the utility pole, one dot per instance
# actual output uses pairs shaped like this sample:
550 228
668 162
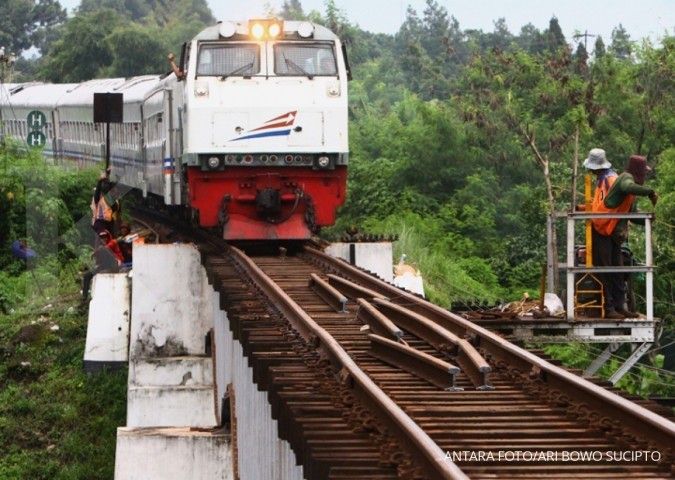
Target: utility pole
577 36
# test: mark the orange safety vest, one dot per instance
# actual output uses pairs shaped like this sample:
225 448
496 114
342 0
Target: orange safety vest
606 226
101 210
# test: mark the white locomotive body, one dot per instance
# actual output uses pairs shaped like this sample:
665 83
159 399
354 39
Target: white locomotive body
249 131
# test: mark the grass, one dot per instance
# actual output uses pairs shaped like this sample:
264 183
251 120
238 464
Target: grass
55 421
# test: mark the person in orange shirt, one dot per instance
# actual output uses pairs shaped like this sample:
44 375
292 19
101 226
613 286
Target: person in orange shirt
615 194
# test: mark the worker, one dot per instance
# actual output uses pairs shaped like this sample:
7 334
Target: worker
125 243
180 75
104 206
615 194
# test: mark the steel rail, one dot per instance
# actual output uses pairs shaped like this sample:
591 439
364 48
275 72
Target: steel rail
472 363
351 289
437 372
431 457
377 321
659 431
328 293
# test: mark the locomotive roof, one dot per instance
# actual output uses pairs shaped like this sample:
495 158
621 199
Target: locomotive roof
213 32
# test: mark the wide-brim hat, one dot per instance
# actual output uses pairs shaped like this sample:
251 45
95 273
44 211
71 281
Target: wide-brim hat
597 160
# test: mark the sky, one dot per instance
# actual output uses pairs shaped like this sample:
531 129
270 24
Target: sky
643 18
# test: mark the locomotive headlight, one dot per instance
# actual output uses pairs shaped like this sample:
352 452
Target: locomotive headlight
214 162
323 162
274 30
258 31
227 29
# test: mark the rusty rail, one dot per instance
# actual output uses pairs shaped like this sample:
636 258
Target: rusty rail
351 289
472 363
377 321
426 451
438 372
328 293
622 413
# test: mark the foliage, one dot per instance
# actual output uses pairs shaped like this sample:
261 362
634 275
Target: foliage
461 140
40 204
122 38
26 23
48 427
647 378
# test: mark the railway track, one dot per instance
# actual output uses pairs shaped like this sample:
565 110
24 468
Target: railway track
419 393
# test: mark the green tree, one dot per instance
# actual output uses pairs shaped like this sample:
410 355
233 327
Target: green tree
599 48
554 35
531 39
621 46
580 59
83 50
292 10
26 23
136 51
160 12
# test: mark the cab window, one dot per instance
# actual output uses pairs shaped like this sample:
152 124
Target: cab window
299 59
237 60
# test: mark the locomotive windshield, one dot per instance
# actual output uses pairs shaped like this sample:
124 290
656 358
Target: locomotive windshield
229 60
296 59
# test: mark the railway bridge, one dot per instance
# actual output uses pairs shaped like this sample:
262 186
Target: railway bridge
289 363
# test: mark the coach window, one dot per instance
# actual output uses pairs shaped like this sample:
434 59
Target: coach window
239 60
300 59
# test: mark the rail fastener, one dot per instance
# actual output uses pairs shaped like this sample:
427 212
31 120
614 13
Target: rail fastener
438 372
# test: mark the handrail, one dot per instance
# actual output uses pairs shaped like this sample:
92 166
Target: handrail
572 269
430 455
591 215
630 415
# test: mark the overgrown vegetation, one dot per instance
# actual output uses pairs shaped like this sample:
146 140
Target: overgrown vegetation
55 421
461 142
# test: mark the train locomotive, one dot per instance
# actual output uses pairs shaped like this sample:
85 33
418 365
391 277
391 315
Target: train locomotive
248 134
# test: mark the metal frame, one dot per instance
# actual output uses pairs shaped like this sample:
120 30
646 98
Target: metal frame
572 270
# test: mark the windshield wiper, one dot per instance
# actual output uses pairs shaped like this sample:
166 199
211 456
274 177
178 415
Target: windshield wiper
297 67
237 70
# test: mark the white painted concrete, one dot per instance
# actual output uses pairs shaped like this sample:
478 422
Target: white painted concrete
171 310
172 454
175 306
172 371
262 455
108 324
170 379
376 257
169 406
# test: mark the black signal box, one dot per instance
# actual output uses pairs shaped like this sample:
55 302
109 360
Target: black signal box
108 108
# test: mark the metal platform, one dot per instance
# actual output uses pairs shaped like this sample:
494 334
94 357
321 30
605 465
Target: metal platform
640 333
561 330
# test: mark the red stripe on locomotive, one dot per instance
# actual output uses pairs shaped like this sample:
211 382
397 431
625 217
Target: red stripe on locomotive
232 198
